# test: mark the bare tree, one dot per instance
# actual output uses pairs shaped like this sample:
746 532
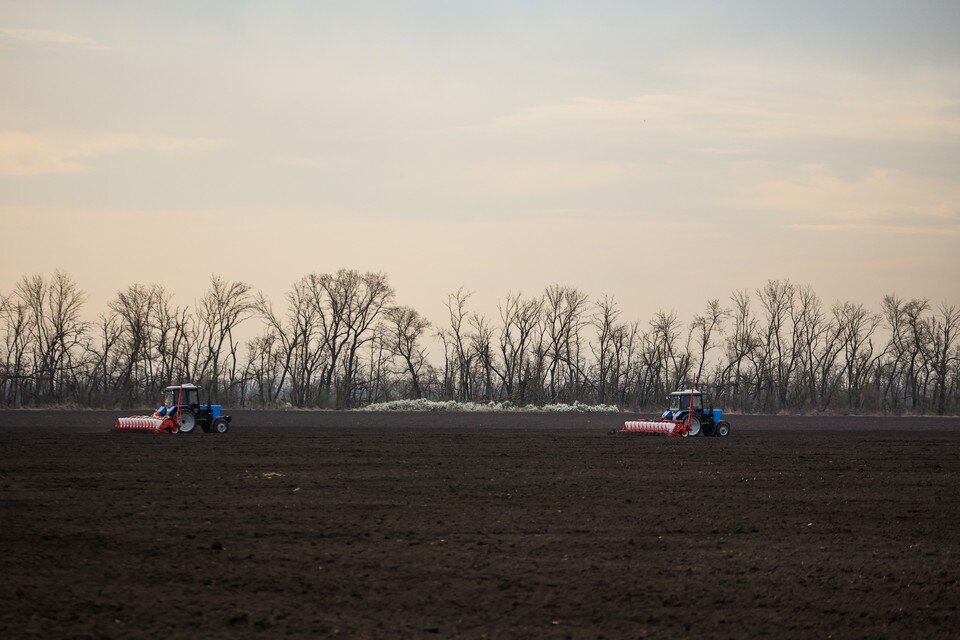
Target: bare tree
626 340
856 328
455 339
892 372
674 360
605 354
374 371
219 311
703 328
564 317
519 319
740 345
135 308
917 368
174 346
819 347
778 352
348 306
15 318
403 334
104 360
265 366
941 352
481 340
295 336
56 329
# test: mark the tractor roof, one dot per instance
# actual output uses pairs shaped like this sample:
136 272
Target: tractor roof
686 391
185 385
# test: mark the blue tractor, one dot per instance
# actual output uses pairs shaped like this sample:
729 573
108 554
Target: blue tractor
707 422
182 404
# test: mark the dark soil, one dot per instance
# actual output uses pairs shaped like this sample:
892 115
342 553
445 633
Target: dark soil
478 525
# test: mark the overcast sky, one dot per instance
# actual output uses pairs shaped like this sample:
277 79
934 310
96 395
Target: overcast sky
662 152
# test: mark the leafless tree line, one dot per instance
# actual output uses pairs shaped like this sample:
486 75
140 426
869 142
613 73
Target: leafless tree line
51 354
340 340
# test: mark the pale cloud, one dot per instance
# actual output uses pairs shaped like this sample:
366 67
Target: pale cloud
48 37
31 154
952 230
301 161
530 178
777 104
722 151
883 198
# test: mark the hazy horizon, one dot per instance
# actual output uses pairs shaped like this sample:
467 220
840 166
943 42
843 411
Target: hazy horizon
664 153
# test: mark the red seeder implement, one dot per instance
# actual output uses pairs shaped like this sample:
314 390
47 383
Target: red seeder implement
157 423
666 427
147 423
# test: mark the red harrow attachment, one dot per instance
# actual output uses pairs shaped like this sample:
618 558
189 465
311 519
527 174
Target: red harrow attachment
666 427
147 423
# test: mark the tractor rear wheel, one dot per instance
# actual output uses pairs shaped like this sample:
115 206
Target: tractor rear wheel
186 421
723 428
220 425
693 427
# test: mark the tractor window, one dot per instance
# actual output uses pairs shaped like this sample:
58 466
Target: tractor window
190 396
169 398
680 402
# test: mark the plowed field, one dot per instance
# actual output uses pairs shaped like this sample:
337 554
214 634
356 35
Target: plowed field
478 525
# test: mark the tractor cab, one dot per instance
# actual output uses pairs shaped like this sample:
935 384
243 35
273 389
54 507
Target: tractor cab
187 395
680 401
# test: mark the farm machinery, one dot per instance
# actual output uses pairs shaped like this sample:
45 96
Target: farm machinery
685 417
182 412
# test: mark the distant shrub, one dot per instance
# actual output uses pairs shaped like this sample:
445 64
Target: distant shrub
467 407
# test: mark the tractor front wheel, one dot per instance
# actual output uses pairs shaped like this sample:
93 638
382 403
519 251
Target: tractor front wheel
220 425
723 428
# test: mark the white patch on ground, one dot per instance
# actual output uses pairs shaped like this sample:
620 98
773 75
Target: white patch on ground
453 406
